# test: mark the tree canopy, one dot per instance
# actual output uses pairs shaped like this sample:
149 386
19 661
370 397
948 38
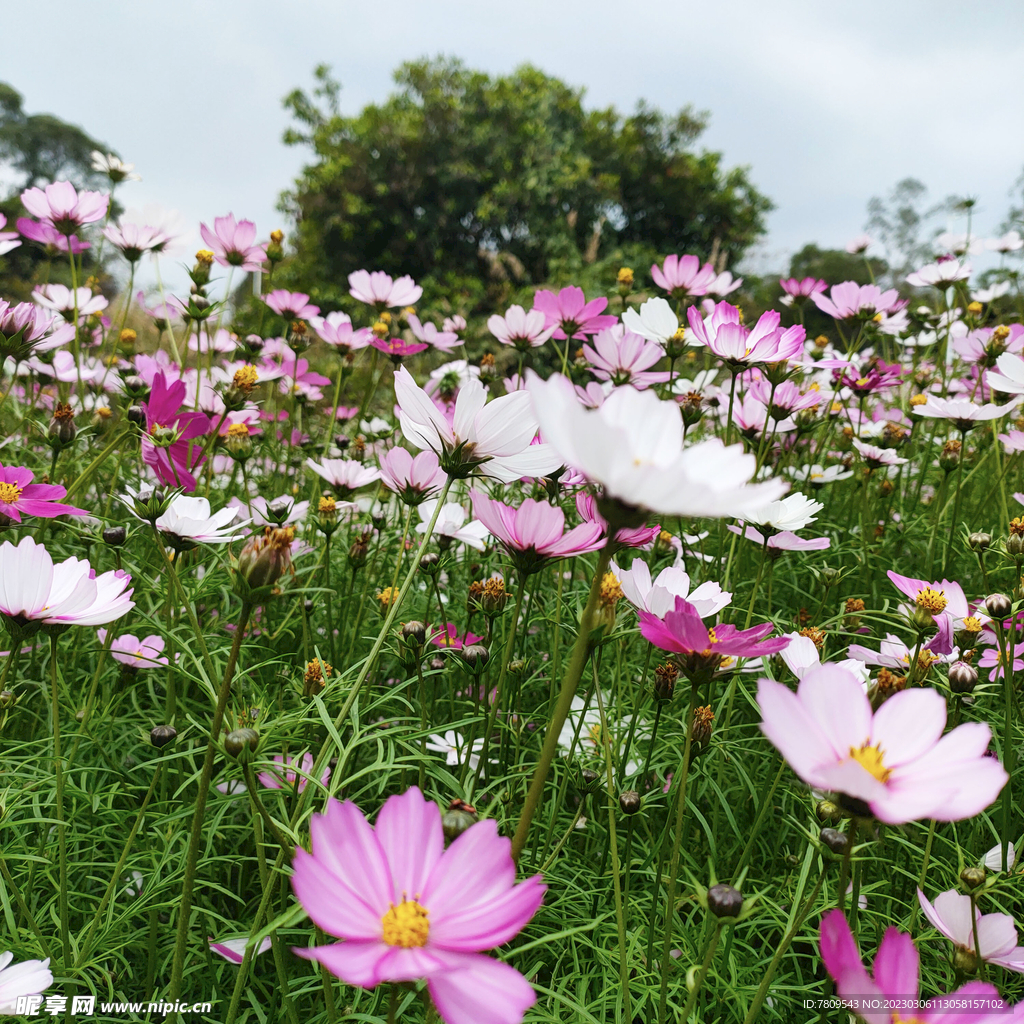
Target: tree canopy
483 184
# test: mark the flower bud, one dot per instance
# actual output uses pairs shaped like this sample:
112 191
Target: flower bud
114 536
692 408
414 633
379 520
264 560
475 656
1015 545
828 811
359 550
161 735
979 541
964 960
430 564
315 676
962 677
665 677
972 877
241 744
494 597
725 901
239 442
629 801
137 415
834 840
327 514
589 780
700 729
62 430
998 606
459 817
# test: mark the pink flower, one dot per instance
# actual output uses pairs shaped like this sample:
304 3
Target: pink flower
232 245
520 329
659 596
65 209
8 239
299 380
344 475
377 289
60 299
785 540
49 237
407 908
534 533
399 348
443 341
134 240
570 315
798 291
682 631
997 936
291 305
893 763
850 299
169 429
233 950
413 479
877 457
272 780
622 357
25 329
944 601
991 658
897 980
765 342
630 537
336 329
19 495
683 275
130 650
34 592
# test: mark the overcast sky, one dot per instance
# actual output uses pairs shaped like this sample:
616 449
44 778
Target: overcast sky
828 102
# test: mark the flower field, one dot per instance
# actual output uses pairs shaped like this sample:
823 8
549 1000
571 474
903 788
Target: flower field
626 656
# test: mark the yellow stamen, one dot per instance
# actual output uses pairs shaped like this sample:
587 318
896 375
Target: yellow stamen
245 379
870 759
9 493
610 589
406 925
931 600
238 430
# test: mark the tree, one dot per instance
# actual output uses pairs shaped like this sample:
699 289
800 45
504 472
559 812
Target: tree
896 223
480 185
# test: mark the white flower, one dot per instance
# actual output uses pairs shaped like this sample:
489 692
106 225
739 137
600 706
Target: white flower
29 978
453 746
818 475
802 655
61 299
655 321
940 274
492 438
791 513
996 291
724 284
113 167
1010 242
860 244
1010 378
993 860
875 456
633 447
962 412
659 596
451 522
959 243
188 520
344 474
703 383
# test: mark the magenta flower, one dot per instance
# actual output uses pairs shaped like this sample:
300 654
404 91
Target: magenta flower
622 357
683 275
49 237
18 496
893 763
991 658
534 533
377 289
897 981
232 245
850 299
520 329
413 479
63 208
273 780
407 908
233 950
449 638
337 330
997 936
945 602
398 348
291 305
799 291
166 446
739 346
35 592
302 382
570 314
136 653
682 631
864 380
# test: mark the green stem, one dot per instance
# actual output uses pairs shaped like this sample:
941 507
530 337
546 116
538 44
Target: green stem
62 849
698 982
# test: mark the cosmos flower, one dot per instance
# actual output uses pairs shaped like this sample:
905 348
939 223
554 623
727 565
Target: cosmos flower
658 597
682 276
337 330
19 496
344 475
188 521
799 291
655 321
1010 377
413 479
62 300
801 656
406 908
681 631
169 429
727 338
36 592
962 412
130 650
8 239
520 329
378 289
454 747
621 357
945 271
632 447
451 523
534 533
291 305
570 315
113 167
951 914
64 208
443 341
286 776
849 300
29 978
627 536
793 512
897 980
134 240
49 237
490 438
233 950
893 763
231 243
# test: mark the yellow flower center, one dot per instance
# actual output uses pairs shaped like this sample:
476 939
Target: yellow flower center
972 625
327 505
870 759
919 400
9 493
238 430
246 378
387 597
406 925
931 600
712 639
205 257
610 589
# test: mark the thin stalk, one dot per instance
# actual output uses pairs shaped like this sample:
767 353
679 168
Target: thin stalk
698 982
62 848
